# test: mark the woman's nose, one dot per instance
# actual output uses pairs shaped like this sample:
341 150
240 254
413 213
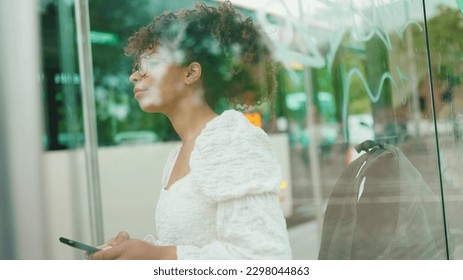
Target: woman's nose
134 77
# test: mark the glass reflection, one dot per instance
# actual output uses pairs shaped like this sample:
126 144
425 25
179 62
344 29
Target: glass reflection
372 77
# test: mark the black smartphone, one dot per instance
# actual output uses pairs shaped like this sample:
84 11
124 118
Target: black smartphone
89 249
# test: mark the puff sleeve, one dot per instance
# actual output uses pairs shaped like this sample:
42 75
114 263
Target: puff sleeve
234 168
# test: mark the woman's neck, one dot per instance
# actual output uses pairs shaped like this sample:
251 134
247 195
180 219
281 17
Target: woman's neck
189 121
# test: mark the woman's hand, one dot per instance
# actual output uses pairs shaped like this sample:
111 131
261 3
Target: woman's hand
123 248
120 237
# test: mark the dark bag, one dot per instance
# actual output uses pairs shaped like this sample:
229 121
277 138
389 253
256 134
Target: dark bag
381 208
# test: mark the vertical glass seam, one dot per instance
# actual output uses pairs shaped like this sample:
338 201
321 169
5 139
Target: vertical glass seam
431 84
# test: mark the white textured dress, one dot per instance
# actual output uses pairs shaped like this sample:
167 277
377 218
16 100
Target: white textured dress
227 206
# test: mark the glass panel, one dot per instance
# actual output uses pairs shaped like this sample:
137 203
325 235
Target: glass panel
60 76
134 145
64 159
350 71
368 81
132 150
446 55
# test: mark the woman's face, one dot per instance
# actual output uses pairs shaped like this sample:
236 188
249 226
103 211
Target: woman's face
159 83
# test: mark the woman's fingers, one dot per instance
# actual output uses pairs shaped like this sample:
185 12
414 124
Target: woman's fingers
106 254
108 249
121 236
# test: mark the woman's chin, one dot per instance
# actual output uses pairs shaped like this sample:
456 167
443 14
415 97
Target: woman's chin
150 109
146 106
149 105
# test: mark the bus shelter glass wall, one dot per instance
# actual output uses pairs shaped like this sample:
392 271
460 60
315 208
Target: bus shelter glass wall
369 81
351 71
446 56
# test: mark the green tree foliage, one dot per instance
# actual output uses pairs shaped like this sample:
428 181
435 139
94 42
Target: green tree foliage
445 31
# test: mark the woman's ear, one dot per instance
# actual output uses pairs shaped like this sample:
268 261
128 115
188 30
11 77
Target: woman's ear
193 73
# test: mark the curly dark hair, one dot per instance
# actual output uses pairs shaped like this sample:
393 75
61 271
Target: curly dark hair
233 52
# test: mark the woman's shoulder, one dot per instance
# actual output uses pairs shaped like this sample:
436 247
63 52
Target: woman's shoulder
230 127
233 137
233 158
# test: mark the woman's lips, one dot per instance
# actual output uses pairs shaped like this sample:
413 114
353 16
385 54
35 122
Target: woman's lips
137 90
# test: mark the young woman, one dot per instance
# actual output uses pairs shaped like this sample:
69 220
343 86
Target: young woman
219 195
